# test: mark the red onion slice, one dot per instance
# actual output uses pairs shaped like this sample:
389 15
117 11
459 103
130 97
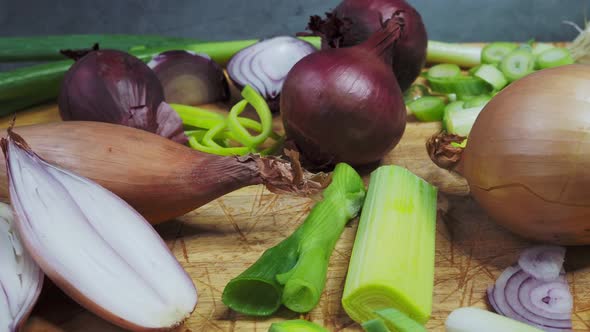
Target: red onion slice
94 246
265 65
20 277
546 304
542 262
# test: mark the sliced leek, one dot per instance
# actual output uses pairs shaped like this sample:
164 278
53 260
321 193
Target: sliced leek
392 263
296 325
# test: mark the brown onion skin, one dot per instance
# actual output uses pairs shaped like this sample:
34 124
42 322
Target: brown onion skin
527 160
362 91
409 53
161 179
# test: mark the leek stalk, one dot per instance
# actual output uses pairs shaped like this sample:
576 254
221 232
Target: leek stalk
392 263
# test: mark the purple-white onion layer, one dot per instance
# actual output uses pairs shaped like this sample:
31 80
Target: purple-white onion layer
21 279
265 65
94 246
526 293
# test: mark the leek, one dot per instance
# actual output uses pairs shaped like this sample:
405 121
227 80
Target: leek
293 273
375 325
296 325
478 320
392 263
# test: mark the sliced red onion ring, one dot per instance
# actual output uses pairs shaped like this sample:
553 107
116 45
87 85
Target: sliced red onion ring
542 262
20 277
544 304
265 65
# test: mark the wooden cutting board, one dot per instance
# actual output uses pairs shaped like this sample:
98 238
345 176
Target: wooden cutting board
221 239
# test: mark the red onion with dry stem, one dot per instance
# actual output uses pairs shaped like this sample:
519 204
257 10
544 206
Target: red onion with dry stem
158 177
527 157
344 104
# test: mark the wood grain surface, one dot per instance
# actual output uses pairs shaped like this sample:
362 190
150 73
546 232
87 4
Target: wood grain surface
221 239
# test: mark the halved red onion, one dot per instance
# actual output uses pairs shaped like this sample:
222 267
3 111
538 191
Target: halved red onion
540 303
94 246
20 277
265 65
189 78
542 262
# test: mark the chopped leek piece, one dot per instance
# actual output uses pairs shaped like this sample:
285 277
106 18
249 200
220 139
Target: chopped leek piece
494 52
398 321
478 320
517 64
456 105
476 101
293 272
461 85
392 262
444 70
460 122
460 54
427 108
296 325
542 47
553 58
415 91
375 325
492 75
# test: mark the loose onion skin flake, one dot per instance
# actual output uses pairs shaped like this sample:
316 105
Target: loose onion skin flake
79 234
527 157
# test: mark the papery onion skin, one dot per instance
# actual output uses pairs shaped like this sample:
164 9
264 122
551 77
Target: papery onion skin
159 178
116 87
189 78
408 56
343 105
527 159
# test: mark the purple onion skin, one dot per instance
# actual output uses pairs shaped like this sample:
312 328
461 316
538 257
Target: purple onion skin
116 87
408 55
189 78
357 121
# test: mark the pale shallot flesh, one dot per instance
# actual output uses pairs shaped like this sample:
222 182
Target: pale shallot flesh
94 246
20 277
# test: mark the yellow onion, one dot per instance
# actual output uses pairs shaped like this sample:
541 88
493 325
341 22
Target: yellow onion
527 159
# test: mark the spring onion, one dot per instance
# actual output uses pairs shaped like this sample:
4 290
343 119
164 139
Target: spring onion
517 64
553 58
539 48
478 320
443 70
460 122
293 272
492 75
392 263
459 54
428 108
493 53
296 325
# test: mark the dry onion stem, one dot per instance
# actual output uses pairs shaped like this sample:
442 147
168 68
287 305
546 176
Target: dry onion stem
94 246
20 277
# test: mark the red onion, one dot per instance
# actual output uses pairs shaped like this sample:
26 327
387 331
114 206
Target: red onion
78 233
344 105
353 21
20 277
189 78
546 304
265 65
116 87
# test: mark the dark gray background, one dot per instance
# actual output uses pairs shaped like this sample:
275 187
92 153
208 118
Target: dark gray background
448 20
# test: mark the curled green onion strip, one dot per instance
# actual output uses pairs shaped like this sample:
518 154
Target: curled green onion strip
213 133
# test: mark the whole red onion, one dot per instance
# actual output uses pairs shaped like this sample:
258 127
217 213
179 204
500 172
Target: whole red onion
116 87
353 21
344 104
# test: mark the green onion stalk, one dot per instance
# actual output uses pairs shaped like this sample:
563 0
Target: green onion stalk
293 273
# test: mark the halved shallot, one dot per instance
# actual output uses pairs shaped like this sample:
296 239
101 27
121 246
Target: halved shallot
94 246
